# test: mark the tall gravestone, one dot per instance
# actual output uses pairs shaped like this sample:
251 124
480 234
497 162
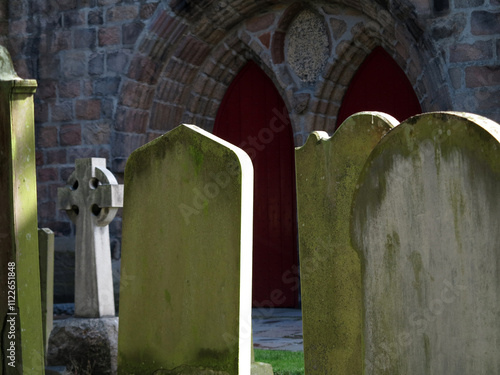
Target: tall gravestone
186 268
327 172
20 300
426 221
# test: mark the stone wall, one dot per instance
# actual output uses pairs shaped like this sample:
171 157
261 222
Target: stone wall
114 74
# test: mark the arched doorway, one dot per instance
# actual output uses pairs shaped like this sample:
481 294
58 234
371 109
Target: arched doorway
253 116
380 85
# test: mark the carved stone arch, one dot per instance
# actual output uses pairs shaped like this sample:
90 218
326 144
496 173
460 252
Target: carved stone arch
221 67
179 71
408 47
212 19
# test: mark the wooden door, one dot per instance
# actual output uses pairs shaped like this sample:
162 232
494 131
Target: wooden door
380 85
254 117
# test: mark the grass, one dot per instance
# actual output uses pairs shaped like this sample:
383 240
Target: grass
283 362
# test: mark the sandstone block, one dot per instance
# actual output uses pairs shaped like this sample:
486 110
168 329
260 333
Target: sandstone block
117 61
485 23
480 50
95 17
131 31
70 135
478 76
62 111
47 136
122 13
260 22
147 10
109 36
88 109
85 38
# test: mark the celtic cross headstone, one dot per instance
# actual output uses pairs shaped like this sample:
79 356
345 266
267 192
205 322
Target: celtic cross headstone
91 199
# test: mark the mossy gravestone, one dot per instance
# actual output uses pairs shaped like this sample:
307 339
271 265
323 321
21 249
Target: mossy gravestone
327 171
426 221
185 294
20 301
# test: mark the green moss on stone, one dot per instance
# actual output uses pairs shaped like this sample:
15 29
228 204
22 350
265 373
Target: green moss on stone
171 310
197 156
327 172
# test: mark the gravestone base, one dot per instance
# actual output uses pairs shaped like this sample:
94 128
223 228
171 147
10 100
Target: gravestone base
88 344
260 368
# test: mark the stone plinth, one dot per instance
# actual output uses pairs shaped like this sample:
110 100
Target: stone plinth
85 344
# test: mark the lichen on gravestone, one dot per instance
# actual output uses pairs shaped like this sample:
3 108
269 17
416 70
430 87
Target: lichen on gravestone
187 243
20 310
327 169
425 221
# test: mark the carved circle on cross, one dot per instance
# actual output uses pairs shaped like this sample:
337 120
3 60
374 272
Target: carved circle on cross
93 188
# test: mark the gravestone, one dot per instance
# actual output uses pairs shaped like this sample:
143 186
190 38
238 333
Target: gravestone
20 300
327 171
46 257
425 221
186 267
91 199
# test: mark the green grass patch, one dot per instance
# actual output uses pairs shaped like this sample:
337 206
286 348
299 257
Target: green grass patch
283 362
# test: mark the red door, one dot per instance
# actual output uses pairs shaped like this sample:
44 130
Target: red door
253 116
380 85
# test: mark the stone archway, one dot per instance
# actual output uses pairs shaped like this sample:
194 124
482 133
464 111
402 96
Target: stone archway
188 56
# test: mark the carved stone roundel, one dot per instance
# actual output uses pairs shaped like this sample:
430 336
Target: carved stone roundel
307 46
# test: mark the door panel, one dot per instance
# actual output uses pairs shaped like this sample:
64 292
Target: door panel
380 85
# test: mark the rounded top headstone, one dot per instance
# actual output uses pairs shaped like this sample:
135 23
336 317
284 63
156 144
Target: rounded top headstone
307 46
7 72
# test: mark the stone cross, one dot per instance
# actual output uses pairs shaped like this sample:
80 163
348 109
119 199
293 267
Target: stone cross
91 199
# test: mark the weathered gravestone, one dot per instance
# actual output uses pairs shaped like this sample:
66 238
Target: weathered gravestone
91 199
20 301
426 221
185 293
327 171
